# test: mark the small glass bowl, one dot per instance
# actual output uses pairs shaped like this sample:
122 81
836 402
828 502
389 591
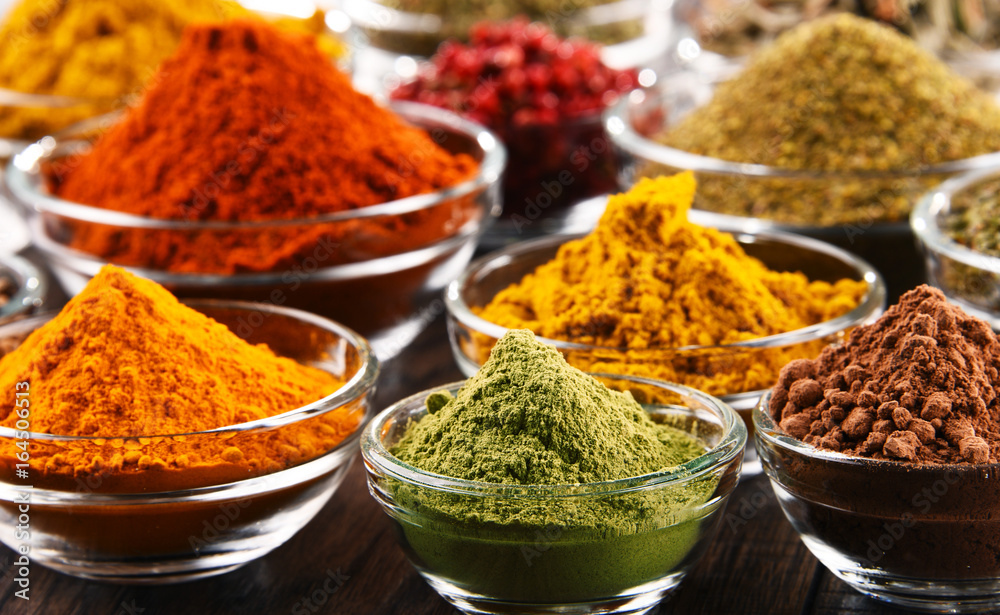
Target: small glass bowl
103 525
921 537
28 284
354 267
472 338
633 123
532 569
968 277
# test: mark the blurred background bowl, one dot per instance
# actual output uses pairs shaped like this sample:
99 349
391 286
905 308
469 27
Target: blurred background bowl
767 191
392 35
624 573
967 276
22 287
922 537
349 266
472 337
102 526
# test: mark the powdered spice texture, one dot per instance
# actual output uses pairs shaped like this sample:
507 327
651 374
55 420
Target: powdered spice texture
919 385
300 143
529 418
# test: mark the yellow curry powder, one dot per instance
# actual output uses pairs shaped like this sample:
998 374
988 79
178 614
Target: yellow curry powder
103 52
647 280
124 361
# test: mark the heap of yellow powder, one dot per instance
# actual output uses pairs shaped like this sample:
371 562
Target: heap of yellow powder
648 279
104 51
125 360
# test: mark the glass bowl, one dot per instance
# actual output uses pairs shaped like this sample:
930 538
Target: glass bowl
967 277
879 202
921 537
40 115
394 34
560 568
357 267
106 525
472 337
28 286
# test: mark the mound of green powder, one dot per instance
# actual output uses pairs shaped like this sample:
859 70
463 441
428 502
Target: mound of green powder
840 93
529 418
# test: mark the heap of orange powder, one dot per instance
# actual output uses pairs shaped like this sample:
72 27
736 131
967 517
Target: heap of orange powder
249 123
125 361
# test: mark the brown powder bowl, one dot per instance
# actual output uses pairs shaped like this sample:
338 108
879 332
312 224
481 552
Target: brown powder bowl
184 506
922 537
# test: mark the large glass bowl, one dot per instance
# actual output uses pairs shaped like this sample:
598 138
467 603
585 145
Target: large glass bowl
764 192
101 524
560 568
28 286
968 277
472 338
355 267
922 537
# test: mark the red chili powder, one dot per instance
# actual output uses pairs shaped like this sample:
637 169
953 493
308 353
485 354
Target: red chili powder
919 385
248 123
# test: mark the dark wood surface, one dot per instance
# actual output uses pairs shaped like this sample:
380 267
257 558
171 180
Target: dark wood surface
756 564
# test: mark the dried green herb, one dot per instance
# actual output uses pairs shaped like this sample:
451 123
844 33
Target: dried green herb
844 94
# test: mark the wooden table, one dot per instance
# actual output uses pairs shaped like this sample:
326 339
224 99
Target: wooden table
755 565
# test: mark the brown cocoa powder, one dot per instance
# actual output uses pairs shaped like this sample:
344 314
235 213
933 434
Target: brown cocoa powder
918 386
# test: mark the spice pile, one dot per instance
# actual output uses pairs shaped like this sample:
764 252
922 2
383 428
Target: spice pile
647 281
543 96
919 385
529 418
837 94
124 360
302 143
102 51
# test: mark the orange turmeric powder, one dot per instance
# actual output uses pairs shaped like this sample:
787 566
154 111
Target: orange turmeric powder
647 281
127 366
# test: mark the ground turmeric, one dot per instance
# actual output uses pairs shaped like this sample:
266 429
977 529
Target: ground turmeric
647 280
124 361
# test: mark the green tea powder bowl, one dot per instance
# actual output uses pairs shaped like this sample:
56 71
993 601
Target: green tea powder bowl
619 546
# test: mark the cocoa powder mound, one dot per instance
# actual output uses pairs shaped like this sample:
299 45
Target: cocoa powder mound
919 385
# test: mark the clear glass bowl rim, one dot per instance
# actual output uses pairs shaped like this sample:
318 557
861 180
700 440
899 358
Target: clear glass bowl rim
924 221
767 430
23 179
732 443
873 300
361 13
624 136
358 385
23 272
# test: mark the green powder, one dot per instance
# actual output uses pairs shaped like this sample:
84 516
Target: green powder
839 93
530 419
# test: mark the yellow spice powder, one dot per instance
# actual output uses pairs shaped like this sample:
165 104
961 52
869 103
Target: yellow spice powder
647 280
